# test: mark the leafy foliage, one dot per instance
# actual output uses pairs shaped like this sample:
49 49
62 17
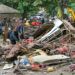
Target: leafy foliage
27 7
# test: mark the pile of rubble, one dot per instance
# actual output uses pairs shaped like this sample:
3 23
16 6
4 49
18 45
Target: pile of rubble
49 45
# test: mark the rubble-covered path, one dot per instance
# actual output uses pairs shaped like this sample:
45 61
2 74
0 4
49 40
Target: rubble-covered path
57 72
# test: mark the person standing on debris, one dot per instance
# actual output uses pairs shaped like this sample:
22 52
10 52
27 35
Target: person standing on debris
20 29
27 23
5 32
1 25
42 21
12 37
15 30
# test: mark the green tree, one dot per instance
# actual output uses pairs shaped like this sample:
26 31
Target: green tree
48 5
26 7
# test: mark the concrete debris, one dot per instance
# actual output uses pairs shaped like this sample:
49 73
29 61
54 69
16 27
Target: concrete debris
8 66
57 24
45 49
49 59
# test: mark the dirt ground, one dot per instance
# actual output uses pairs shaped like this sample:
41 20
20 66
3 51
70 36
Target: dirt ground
57 72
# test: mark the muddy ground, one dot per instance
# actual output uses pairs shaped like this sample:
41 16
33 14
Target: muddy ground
64 70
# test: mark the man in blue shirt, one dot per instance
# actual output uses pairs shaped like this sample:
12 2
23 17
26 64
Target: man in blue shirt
20 29
12 37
